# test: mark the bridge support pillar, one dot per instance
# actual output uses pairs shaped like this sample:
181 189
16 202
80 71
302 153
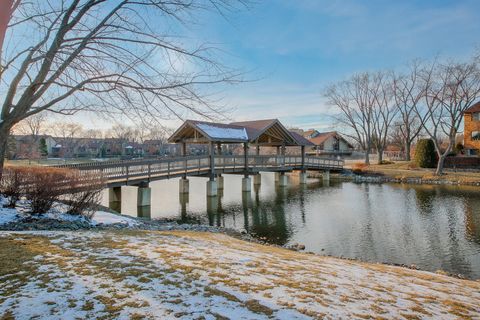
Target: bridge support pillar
326 175
220 180
115 198
277 176
283 180
115 194
144 195
302 177
257 179
184 186
212 188
246 184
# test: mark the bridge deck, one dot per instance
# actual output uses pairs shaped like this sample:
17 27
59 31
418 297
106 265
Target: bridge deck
131 172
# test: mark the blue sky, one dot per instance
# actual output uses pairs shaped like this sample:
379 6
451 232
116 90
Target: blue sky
293 49
296 48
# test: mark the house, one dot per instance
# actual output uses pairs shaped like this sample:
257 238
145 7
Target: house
471 135
28 146
311 133
330 143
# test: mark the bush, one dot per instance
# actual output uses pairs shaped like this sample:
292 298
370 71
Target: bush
359 167
43 186
11 184
85 193
458 148
425 156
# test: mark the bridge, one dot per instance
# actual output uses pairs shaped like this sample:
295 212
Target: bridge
135 172
229 152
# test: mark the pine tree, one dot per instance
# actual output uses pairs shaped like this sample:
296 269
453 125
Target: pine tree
43 147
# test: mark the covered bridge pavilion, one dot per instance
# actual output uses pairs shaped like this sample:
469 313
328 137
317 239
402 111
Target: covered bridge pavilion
257 133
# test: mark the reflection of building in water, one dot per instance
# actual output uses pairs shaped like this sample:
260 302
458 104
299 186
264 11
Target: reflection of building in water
472 219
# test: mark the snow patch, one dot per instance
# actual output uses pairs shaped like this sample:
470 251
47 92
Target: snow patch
223 132
59 212
103 217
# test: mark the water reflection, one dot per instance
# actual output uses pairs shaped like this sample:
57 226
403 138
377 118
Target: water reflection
433 227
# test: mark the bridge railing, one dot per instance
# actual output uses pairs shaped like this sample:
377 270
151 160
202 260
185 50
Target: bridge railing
130 169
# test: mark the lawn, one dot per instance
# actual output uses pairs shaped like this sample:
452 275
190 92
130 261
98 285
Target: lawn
52 161
189 275
404 169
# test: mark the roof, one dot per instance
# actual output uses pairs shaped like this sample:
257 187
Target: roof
255 127
300 139
474 108
261 132
310 132
267 131
202 131
323 136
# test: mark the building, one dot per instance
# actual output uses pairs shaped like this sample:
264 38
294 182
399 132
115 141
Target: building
311 133
28 146
471 135
330 143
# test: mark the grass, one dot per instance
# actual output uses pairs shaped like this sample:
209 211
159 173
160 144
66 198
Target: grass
141 274
47 162
405 170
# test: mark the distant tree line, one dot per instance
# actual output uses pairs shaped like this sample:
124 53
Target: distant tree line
69 134
426 98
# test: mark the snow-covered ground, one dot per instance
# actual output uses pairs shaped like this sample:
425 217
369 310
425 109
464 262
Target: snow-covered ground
188 275
58 212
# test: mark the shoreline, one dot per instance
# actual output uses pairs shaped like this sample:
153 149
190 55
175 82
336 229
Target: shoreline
53 225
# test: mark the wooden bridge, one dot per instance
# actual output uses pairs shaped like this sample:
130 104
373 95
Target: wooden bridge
136 172
238 136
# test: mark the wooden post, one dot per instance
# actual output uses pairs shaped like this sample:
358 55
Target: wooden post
245 154
212 161
184 154
303 158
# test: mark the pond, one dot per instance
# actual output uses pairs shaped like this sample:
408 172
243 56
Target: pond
432 227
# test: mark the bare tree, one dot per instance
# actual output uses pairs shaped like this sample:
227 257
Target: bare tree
384 111
67 134
7 7
121 132
119 57
93 134
32 126
408 94
355 100
450 88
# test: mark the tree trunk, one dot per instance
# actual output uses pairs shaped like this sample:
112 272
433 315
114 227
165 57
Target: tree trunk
380 156
441 161
367 152
3 148
367 157
408 147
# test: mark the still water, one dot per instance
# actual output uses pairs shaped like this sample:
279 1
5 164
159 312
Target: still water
433 227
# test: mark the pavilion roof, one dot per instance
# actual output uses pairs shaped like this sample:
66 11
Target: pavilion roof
194 131
301 140
269 132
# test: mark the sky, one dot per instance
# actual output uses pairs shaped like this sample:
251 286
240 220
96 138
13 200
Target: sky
291 50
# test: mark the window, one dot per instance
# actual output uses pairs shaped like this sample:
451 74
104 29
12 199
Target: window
476 116
475 135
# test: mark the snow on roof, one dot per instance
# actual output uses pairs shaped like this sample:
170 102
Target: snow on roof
223 132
